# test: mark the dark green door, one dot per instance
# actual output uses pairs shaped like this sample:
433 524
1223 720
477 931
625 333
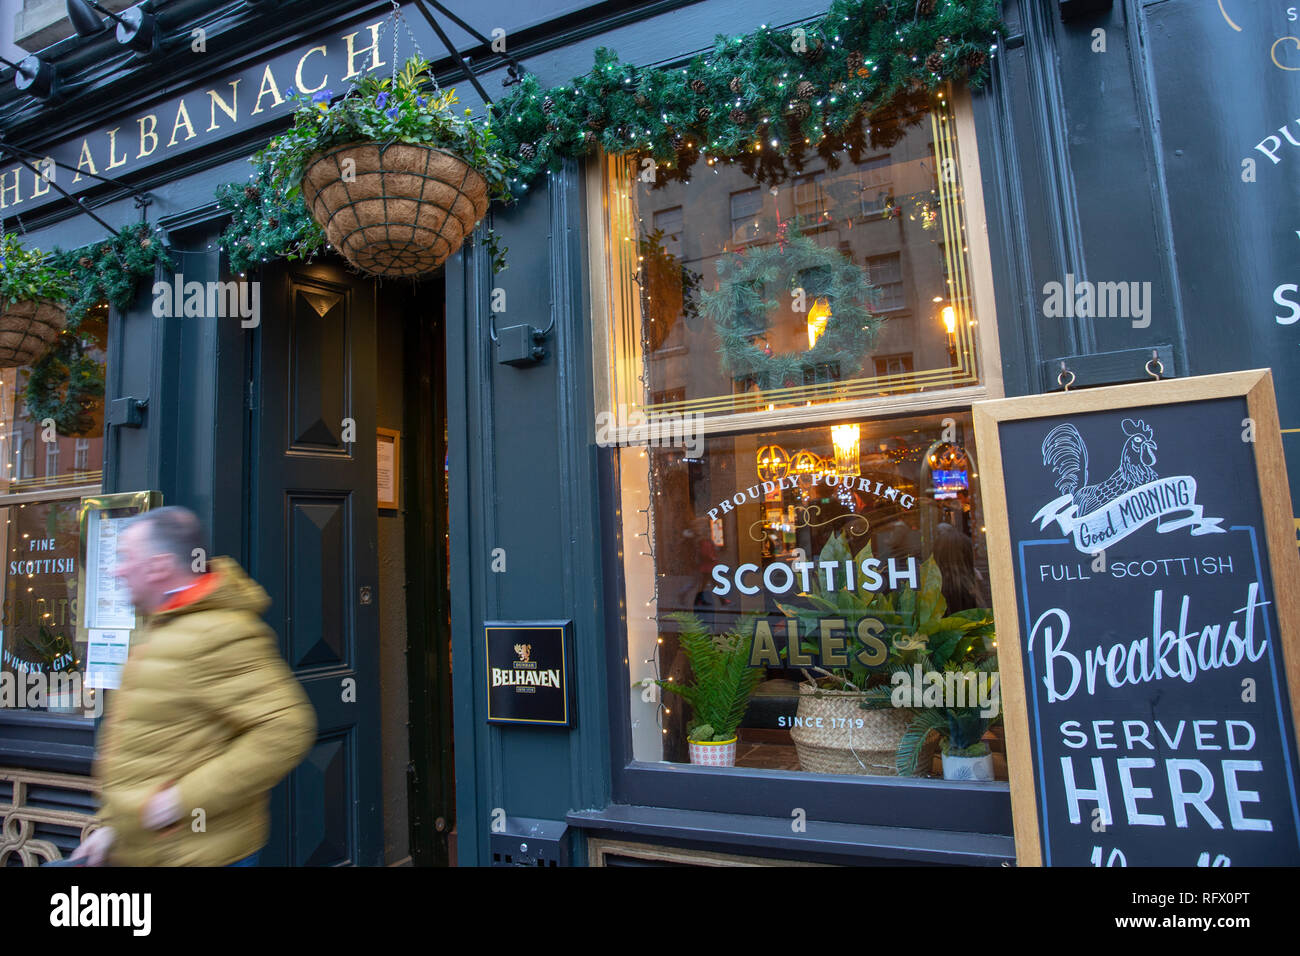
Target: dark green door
313 545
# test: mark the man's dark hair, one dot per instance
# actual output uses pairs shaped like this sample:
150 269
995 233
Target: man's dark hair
172 530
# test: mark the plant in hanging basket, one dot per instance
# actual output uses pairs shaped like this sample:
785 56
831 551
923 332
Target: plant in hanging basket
32 295
395 178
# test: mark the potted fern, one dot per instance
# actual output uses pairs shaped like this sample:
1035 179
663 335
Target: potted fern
395 178
720 689
33 293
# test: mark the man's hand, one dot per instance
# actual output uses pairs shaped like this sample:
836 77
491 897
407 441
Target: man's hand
162 809
94 849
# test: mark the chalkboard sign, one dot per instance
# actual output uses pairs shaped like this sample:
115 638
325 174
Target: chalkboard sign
528 672
1147 597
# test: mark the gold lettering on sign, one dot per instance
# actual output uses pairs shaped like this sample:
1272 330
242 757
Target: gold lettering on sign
299 83
85 160
148 134
5 187
353 53
42 184
113 161
232 110
181 111
268 86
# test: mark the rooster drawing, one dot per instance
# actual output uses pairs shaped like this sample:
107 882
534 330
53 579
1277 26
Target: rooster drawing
1066 454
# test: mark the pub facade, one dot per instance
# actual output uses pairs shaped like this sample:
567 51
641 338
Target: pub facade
505 516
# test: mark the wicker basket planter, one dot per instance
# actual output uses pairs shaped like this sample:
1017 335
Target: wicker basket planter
28 329
406 209
838 744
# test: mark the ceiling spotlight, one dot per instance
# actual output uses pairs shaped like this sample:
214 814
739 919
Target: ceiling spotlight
135 28
33 75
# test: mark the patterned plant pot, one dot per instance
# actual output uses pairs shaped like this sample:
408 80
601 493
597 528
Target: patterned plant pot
396 210
968 768
28 329
721 753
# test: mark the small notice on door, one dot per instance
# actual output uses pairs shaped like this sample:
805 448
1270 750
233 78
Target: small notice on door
106 650
386 464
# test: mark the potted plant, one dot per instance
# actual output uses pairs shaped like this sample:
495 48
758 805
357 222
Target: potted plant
847 720
720 690
32 295
395 178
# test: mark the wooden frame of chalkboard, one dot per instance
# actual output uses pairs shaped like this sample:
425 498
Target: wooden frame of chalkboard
1256 388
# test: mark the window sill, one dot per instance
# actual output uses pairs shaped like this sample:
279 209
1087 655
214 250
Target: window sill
842 843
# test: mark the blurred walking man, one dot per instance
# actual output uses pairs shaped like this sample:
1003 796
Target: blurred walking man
209 717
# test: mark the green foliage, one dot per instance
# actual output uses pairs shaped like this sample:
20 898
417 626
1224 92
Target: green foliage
265 223
27 274
861 60
405 109
53 650
723 680
753 283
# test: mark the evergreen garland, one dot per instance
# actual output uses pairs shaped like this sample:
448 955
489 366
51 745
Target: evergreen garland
65 384
266 223
766 100
754 282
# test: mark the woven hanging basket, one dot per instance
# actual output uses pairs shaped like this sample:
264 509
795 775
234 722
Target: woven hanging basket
839 744
28 329
401 210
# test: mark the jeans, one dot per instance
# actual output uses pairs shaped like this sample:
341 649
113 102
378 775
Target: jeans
248 860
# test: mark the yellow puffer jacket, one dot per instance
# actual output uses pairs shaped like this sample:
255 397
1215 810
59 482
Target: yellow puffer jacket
206 704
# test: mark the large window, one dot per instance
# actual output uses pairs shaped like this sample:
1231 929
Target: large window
45 474
803 539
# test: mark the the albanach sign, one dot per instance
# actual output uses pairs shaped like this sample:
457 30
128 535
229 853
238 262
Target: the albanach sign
195 119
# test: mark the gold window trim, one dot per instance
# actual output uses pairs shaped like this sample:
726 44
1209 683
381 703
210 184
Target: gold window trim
618 374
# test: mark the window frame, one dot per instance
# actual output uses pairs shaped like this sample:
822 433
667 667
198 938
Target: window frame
913 803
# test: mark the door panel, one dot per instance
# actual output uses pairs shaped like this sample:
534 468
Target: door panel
313 539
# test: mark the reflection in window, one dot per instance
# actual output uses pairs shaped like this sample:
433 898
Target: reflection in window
842 553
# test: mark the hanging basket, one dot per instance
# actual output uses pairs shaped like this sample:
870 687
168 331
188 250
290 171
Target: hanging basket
28 329
401 210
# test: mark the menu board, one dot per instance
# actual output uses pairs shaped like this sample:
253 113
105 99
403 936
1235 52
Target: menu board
108 604
1147 595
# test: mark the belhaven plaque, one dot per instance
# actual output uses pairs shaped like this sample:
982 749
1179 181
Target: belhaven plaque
1147 596
528 672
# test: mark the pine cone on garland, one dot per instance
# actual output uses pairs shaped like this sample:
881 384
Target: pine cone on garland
814 53
703 113
250 192
596 123
85 262
738 116
735 84
548 105
801 109
934 62
882 11
838 87
640 100
527 150
854 62
699 86
552 127
925 7
146 242
941 44
976 60
805 90
273 222
590 139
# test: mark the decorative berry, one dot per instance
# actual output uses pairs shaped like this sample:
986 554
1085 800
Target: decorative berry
934 62
805 90
735 84
738 116
699 86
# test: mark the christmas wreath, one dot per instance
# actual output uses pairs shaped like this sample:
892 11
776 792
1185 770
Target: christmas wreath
795 270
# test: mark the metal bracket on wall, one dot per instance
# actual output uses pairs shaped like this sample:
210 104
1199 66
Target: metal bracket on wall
1107 368
127 412
520 345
